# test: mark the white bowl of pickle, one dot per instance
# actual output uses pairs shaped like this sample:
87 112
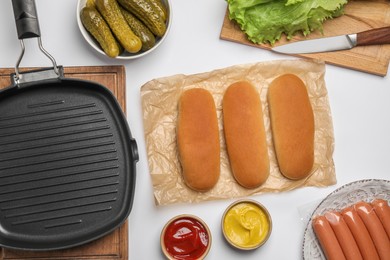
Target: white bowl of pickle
124 29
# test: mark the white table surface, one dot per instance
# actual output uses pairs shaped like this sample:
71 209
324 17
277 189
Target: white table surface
359 102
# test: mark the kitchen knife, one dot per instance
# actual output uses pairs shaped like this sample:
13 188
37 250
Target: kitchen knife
342 42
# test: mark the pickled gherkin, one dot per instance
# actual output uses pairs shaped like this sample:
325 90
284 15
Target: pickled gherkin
146 12
147 38
160 8
99 29
109 9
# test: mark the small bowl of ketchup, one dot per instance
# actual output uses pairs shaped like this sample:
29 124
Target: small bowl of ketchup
185 237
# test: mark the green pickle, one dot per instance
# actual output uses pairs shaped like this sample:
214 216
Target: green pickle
90 3
99 29
109 9
160 8
147 38
147 13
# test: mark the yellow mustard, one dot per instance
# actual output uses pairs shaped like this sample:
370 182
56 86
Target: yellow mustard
246 225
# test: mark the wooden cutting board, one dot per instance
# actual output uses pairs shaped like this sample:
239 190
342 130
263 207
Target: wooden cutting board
113 246
359 16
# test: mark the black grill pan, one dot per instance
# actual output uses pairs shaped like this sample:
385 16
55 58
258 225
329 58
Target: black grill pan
67 157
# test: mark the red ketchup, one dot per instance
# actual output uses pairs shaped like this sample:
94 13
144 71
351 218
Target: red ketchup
186 238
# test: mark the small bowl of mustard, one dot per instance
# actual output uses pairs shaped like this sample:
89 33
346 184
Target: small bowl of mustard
246 224
185 237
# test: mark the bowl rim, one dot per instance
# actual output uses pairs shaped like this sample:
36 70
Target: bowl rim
170 221
262 208
129 56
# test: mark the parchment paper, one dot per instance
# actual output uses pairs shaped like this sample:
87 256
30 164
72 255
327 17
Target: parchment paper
159 103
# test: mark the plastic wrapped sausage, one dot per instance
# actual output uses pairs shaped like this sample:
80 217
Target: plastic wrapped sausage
360 233
327 239
360 230
344 236
382 210
375 228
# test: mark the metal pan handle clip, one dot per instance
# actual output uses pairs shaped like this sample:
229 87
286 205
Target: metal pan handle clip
27 26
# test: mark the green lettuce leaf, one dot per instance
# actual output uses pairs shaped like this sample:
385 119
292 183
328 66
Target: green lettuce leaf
264 21
291 2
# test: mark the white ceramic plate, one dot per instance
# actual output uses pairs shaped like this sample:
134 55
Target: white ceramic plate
125 55
363 190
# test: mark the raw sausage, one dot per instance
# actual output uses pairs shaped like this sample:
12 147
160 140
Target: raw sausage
327 239
344 236
382 210
375 228
360 233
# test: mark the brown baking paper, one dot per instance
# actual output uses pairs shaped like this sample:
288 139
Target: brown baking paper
159 103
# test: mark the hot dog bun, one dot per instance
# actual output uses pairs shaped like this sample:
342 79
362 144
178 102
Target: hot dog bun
292 124
198 139
245 134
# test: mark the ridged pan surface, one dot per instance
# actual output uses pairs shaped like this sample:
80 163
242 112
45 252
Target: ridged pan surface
67 165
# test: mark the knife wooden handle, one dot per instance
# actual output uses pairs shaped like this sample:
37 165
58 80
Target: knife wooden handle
373 37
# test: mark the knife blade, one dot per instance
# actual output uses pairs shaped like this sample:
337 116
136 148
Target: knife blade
335 43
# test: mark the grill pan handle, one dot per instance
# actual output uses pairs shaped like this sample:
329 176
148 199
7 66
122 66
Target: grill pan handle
26 19
27 26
